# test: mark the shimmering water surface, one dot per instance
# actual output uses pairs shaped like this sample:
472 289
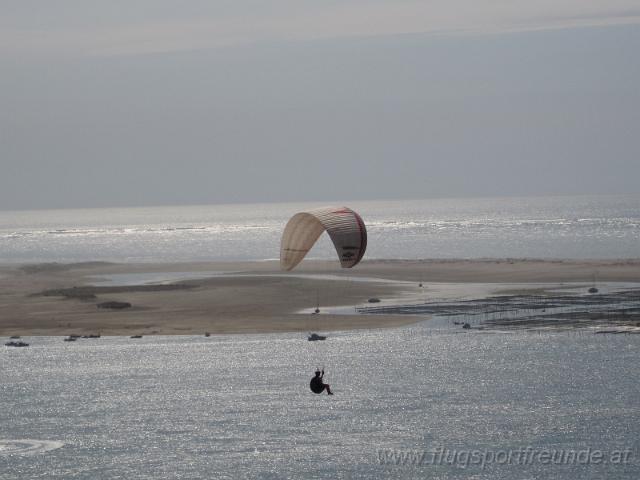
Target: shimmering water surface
239 406
540 227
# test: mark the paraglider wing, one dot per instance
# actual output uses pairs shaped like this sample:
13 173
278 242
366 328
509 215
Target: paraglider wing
344 226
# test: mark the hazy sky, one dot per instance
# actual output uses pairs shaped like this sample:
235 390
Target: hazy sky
163 102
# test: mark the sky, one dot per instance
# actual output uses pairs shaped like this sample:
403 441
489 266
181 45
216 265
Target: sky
159 102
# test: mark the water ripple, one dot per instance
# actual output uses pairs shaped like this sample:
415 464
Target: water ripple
27 447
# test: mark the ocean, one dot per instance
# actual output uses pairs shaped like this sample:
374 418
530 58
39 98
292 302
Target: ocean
414 402
426 401
578 227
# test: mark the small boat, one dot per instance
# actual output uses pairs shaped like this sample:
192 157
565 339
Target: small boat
135 336
466 326
313 337
16 344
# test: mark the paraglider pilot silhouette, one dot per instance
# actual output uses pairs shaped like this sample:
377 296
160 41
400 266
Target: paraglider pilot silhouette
317 386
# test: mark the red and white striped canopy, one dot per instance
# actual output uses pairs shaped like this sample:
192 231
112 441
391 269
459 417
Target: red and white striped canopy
344 226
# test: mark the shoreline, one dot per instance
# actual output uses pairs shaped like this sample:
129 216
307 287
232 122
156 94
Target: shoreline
254 297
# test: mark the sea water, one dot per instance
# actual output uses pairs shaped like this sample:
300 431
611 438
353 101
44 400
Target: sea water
239 406
412 402
583 227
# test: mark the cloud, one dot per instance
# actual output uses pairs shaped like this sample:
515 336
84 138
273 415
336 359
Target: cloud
223 24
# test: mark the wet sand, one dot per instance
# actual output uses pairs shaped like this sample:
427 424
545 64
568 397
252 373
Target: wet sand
42 300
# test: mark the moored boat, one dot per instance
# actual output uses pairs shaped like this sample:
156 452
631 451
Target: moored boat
313 337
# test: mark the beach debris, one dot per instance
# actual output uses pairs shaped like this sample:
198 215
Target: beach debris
16 344
135 336
114 305
71 338
14 337
344 226
466 326
207 334
374 300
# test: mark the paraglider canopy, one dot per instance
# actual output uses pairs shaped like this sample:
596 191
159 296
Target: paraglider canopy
344 226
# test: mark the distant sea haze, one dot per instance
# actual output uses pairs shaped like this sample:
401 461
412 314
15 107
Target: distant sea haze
576 227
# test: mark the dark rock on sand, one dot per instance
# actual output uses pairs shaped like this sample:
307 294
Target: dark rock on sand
114 305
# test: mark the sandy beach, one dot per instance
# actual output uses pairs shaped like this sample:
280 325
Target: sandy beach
248 297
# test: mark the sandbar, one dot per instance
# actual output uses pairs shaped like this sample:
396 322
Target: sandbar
250 297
